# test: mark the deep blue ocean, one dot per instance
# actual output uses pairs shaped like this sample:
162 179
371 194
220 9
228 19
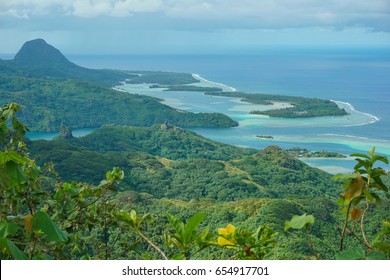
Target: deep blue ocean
360 77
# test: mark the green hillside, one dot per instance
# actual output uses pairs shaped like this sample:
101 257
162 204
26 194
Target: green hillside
175 163
169 170
54 90
81 104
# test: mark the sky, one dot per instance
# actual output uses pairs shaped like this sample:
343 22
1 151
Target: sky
192 26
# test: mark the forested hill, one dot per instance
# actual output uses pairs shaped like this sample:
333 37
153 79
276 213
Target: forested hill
53 91
80 104
45 61
175 163
38 59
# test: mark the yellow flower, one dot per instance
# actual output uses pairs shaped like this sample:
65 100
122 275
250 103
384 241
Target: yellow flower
226 236
27 222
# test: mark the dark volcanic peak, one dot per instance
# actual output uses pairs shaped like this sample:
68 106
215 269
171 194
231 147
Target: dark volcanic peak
39 59
38 53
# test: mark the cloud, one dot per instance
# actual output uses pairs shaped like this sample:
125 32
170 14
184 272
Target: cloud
373 14
78 8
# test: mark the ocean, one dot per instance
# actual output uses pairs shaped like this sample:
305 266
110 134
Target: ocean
358 79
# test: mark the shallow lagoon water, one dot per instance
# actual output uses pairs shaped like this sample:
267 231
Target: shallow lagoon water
359 76
317 134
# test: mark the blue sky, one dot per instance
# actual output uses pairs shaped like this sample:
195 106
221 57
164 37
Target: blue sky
192 26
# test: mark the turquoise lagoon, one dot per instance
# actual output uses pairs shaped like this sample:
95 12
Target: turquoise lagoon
288 133
357 78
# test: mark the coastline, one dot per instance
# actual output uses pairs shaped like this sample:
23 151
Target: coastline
249 125
223 86
350 107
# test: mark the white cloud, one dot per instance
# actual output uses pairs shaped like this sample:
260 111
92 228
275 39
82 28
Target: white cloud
256 13
79 8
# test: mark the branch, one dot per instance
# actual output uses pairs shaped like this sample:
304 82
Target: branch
152 244
345 226
362 225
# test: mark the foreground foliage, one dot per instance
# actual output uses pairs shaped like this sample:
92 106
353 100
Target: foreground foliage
43 217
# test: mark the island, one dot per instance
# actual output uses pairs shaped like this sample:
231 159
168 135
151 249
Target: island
301 107
267 137
159 78
300 153
186 88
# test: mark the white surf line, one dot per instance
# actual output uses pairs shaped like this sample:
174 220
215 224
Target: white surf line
196 76
357 138
350 107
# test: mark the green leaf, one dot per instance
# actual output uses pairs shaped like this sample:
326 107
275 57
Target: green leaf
43 222
178 257
299 222
7 228
192 225
378 200
127 218
380 158
360 155
384 247
11 156
14 172
134 217
12 249
352 254
176 223
15 251
368 195
344 177
376 256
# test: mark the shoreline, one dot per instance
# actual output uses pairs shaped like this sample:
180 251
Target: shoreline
351 108
355 118
198 77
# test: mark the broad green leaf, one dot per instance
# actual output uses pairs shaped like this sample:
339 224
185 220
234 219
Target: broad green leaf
386 224
176 223
192 225
178 257
381 186
378 200
204 234
14 172
352 254
384 247
361 163
11 156
376 256
147 217
134 217
43 222
15 251
299 222
360 155
344 177
125 217
369 195
10 248
380 158
7 228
